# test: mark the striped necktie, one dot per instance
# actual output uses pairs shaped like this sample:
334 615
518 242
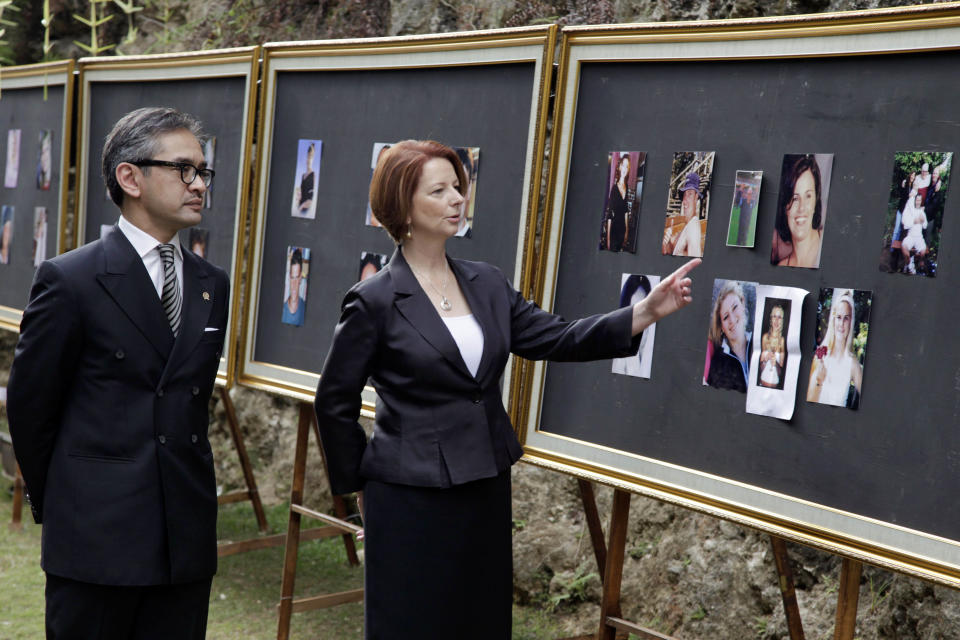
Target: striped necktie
170 296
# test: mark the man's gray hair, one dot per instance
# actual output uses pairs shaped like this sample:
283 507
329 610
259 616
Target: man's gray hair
136 137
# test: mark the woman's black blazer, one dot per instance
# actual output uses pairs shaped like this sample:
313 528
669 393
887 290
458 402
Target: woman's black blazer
436 425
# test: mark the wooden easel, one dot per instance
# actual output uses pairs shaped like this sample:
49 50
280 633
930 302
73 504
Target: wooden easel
335 526
610 558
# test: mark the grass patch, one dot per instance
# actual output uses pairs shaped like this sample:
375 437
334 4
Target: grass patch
246 589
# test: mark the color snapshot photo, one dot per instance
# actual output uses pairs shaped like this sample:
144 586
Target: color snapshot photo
730 335
621 209
633 289
843 322
305 182
742 229
295 285
688 203
801 210
914 215
44 159
371 264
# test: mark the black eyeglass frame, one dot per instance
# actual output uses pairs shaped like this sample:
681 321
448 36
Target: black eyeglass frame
184 167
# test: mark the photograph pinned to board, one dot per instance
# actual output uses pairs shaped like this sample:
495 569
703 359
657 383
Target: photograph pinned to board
295 286
775 361
730 335
12 171
801 210
371 264
843 323
199 241
470 158
621 209
634 288
44 159
378 149
6 232
914 215
209 155
742 230
305 181
39 235
688 203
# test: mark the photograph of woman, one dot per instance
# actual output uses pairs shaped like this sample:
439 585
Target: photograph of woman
801 210
432 335
44 159
633 289
914 215
470 158
842 324
371 264
12 171
730 338
621 210
305 184
6 232
773 343
378 149
209 156
39 235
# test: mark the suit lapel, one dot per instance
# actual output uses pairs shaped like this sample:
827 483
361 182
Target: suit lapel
412 302
197 304
126 281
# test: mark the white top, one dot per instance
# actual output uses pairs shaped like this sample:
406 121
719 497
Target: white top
468 335
836 384
146 247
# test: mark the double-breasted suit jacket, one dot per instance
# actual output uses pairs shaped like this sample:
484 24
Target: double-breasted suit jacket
109 414
436 424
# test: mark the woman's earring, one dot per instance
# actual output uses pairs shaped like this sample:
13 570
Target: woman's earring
409 233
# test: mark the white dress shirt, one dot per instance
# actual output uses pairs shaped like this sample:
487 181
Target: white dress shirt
146 247
468 335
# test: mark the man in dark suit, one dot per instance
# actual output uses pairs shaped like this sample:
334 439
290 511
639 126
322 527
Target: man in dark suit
108 400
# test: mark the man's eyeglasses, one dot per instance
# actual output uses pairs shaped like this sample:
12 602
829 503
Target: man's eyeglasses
188 172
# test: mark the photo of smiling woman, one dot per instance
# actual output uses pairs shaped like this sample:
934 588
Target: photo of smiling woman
843 322
801 210
773 343
730 338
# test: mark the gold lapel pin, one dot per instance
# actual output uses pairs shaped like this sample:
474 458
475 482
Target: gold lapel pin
206 296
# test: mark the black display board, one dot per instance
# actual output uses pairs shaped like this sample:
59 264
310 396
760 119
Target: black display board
218 89
35 99
399 92
830 476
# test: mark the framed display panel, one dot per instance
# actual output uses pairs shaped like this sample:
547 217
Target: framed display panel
485 89
217 87
871 484
37 102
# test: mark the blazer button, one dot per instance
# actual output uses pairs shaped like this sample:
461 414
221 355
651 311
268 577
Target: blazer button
120 355
193 438
162 439
476 399
160 393
195 391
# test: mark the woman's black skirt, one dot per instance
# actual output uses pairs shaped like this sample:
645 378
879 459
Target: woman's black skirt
438 562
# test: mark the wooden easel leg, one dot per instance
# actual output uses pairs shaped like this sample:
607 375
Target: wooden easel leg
613 573
593 524
293 526
241 448
847 598
339 507
15 522
787 590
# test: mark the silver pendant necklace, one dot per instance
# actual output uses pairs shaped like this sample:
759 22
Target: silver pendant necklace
445 304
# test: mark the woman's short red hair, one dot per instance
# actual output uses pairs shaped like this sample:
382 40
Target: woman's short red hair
395 179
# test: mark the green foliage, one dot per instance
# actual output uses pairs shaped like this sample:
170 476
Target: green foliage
572 590
760 626
699 614
879 591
